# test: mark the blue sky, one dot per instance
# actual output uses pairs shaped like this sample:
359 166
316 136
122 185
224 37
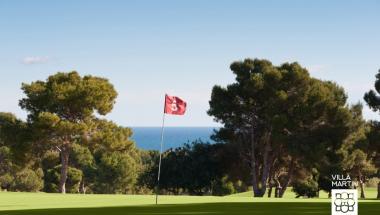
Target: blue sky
147 48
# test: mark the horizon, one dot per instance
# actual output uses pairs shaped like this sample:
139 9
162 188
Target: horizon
148 48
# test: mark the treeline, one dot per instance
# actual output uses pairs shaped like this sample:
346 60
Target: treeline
289 129
281 128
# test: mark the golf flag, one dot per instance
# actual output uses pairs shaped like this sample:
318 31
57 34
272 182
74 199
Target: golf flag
174 105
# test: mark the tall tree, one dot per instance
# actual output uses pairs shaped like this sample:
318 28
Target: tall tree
374 149
357 161
372 99
62 109
278 117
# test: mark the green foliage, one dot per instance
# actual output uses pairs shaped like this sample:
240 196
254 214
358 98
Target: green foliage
73 179
14 177
189 169
28 180
62 113
222 187
306 188
373 100
148 175
116 173
240 186
279 119
6 181
74 176
110 137
6 161
280 127
69 96
15 134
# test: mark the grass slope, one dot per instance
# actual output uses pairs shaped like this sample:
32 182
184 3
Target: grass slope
74 204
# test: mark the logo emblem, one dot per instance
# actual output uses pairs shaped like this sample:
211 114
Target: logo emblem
344 202
174 106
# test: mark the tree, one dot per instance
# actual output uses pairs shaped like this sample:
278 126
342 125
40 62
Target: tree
61 110
374 149
83 160
15 134
29 180
372 99
194 168
355 150
307 187
19 169
6 168
279 118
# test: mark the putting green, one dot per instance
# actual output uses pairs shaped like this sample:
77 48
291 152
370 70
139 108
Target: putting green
76 204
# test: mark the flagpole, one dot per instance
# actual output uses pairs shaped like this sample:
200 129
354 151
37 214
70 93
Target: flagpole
161 148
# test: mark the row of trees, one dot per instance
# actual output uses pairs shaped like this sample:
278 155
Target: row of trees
194 169
287 128
281 128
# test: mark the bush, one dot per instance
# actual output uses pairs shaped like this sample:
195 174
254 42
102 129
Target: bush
222 187
116 173
307 188
373 182
74 176
29 180
240 186
6 181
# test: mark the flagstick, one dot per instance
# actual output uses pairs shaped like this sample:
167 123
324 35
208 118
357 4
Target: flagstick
159 164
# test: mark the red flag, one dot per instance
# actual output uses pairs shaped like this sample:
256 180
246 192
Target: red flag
174 105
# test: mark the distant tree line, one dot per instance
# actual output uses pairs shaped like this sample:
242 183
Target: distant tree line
281 128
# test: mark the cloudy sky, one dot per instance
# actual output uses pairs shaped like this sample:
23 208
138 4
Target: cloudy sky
147 48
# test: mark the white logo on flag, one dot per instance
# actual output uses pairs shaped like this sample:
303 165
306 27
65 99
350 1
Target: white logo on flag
344 202
173 106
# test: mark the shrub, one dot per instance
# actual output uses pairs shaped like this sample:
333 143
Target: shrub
222 187
74 176
240 186
6 181
307 188
29 180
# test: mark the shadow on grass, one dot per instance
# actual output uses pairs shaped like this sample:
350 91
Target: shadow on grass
254 208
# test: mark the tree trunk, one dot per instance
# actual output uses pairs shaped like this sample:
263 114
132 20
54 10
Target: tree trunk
82 188
270 191
277 192
282 190
64 168
278 188
361 184
378 190
288 178
266 166
256 190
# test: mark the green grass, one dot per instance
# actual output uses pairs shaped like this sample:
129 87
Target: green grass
243 203
370 193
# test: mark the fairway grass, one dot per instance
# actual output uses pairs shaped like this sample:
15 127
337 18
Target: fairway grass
243 203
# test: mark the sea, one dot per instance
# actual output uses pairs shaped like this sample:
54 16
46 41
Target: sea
149 138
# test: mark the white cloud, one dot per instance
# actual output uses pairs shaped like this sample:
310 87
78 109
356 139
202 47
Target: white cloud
35 59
